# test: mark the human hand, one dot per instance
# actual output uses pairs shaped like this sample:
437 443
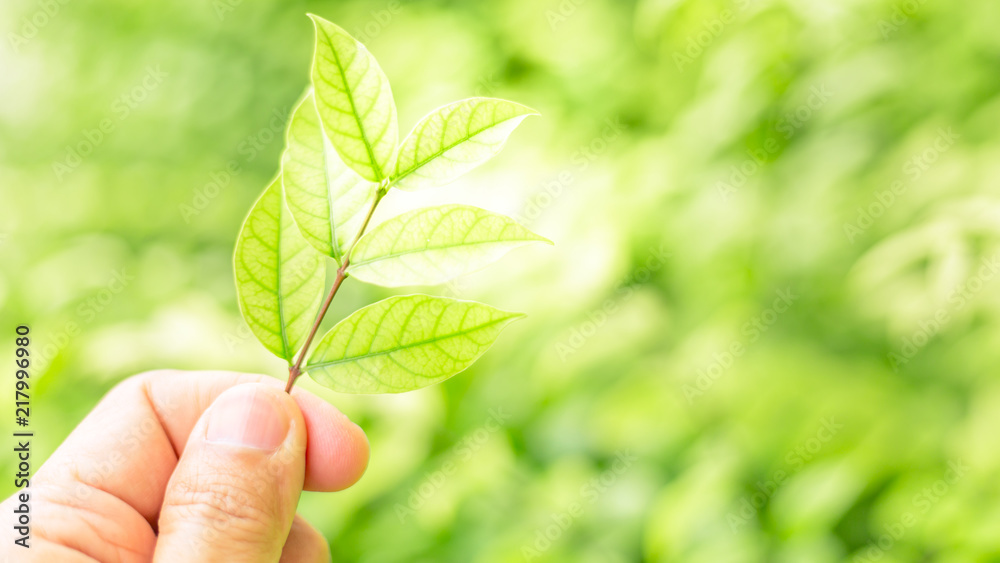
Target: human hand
154 474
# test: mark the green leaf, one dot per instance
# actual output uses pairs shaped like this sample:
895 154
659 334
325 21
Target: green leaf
328 200
354 101
454 139
279 279
404 343
436 244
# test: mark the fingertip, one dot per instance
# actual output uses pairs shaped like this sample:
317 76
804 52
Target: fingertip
305 544
337 449
361 455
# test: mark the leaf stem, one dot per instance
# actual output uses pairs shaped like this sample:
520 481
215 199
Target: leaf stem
295 370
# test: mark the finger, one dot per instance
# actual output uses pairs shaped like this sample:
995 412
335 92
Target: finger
129 444
44 550
94 524
233 494
305 544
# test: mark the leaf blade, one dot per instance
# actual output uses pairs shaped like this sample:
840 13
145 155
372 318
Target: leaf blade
435 244
455 139
354 101
279 279
327 198
405 343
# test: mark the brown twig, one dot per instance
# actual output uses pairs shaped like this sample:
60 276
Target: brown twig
296 369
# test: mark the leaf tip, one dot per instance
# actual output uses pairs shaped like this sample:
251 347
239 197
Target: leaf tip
320 21
514 316
535 237
525 111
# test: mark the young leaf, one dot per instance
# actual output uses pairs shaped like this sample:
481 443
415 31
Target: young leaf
354 101
279 279
454 139
435 244
327 199
404 343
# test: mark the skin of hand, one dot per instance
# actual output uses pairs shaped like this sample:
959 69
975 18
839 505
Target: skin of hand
192 467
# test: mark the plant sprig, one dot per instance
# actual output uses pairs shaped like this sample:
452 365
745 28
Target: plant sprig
342 158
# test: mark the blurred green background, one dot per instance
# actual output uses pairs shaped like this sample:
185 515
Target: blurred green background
769 331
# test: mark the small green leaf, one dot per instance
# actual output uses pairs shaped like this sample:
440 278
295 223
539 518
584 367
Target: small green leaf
435 244
404 343
279 279
354 101
327 199
454 139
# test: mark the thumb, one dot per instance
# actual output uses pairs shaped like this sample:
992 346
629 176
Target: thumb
233 493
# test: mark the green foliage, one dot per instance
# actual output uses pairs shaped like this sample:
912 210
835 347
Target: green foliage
354 101
454 139
404 343
664 127
327 199
341 139
279 280
435 244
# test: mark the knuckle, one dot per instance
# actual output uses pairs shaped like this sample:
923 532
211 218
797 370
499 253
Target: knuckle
305 543
224 507
319 548
136 383
128 385
94 521
143 378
